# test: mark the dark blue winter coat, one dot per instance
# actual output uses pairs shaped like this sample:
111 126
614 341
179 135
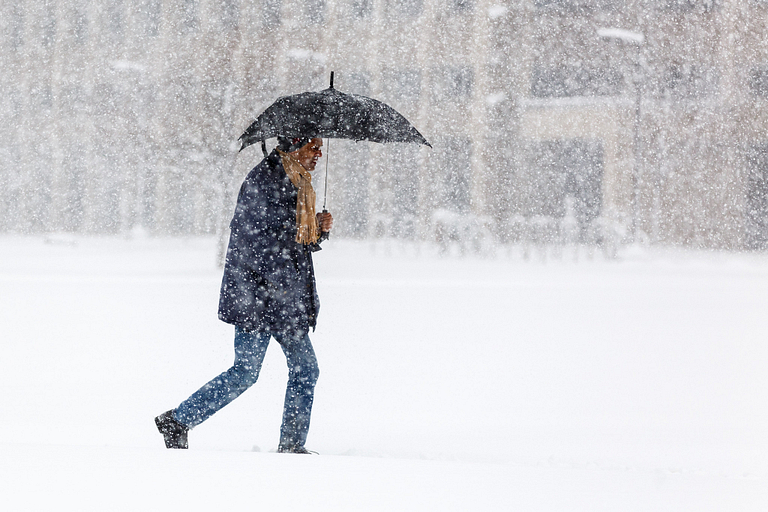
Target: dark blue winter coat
269 279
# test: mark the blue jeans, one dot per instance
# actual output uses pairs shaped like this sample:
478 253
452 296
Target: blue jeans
250 348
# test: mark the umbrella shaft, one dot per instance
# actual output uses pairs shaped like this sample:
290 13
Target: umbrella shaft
327 157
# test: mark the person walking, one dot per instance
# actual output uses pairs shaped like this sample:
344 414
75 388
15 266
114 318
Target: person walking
268 291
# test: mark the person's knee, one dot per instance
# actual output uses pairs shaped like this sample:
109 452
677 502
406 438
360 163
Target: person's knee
244 374
306 373
314 373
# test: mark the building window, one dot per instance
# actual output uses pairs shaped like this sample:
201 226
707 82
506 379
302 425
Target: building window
564 180
72 99
270 12
16 25
42 96
188 15
75 172
565 81
757 198
104 99
230 14
454 82
684 81
405 8
79 25
686 6
115 19
49 25
578 6
361 8
405 188
758 82
456 168
461 6
314 10
149 14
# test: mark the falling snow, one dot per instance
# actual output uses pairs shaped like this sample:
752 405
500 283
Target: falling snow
125 115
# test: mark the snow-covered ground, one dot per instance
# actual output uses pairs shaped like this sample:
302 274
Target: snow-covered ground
637 384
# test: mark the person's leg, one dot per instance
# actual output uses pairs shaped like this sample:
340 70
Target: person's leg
299 395
250 348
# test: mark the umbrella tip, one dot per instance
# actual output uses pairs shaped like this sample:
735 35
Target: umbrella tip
331 80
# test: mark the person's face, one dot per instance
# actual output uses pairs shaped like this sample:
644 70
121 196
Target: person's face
308 154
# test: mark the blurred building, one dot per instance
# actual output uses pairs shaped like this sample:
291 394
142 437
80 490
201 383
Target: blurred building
552 121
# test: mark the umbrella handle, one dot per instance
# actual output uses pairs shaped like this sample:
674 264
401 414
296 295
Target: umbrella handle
324 235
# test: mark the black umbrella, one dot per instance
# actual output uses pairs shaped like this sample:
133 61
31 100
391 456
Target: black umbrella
331 114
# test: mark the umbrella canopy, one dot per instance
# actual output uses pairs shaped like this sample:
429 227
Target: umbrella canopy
333 114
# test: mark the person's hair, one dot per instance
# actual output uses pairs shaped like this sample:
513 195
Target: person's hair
288 145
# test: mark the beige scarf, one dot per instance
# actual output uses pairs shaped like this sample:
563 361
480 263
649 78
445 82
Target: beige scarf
307 231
